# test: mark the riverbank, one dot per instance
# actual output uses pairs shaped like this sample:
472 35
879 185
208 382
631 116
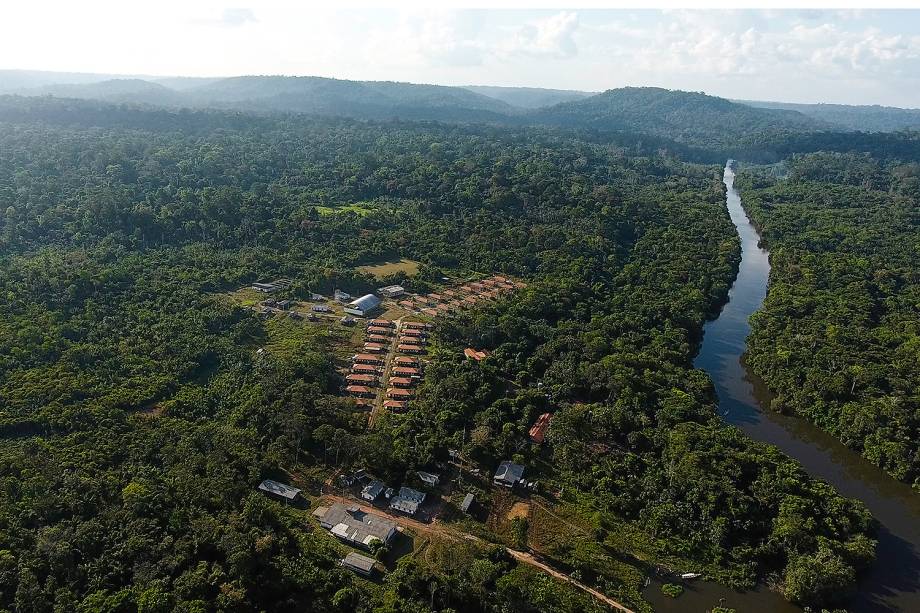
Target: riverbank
893 583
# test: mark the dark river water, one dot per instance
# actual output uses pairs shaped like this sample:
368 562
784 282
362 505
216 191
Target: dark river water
893 584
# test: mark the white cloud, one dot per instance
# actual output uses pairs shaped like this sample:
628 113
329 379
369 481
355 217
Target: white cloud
427 38
550 37
237 17
229 18
864 57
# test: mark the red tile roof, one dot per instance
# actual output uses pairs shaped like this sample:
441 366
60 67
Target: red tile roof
538 430
473 354
359 390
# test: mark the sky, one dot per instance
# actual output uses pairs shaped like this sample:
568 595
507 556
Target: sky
850 56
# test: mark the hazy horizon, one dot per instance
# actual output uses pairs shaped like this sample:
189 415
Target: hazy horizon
815 56
157 77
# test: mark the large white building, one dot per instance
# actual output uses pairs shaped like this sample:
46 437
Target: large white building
363 306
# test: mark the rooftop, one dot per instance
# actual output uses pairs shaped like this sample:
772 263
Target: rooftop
367 302
410 494
356 526
372 490
279 489
357 561
539 428
508 472
429 478
403 505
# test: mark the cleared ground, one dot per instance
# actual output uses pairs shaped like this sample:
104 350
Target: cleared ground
359 208
385 269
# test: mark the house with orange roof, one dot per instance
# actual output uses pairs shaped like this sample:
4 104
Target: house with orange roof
539 428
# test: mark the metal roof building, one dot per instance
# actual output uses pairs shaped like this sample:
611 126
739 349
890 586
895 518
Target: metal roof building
428 478
363 305
373 490
508 474
354 526
391 291
279 490
360 564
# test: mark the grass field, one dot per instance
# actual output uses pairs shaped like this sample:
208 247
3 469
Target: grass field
389 268
359 208
568 537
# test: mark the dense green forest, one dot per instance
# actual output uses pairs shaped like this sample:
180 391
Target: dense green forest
687 117
860 118
137 418
839 334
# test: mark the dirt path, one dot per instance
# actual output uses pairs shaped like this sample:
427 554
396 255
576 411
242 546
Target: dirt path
527 558
387 363
445 531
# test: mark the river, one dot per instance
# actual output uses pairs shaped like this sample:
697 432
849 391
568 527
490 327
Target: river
893 583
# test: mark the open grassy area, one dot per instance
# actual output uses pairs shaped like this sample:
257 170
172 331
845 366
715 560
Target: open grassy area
359 208
247 296
385 269
569 537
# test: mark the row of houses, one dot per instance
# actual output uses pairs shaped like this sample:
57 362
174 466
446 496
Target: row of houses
405 373
367 367
463 296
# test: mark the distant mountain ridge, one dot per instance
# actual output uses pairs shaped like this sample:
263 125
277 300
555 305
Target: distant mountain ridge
867 118
690 119
529 97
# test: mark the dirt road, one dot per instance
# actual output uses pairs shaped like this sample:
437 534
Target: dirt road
526 558
384 380
521 556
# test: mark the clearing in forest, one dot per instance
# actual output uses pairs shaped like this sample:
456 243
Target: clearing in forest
519 509
385 269
358 208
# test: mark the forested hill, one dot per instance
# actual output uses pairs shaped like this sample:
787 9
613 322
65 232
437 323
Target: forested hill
142 401
529 97
315 95
863 118
684 116
693 126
